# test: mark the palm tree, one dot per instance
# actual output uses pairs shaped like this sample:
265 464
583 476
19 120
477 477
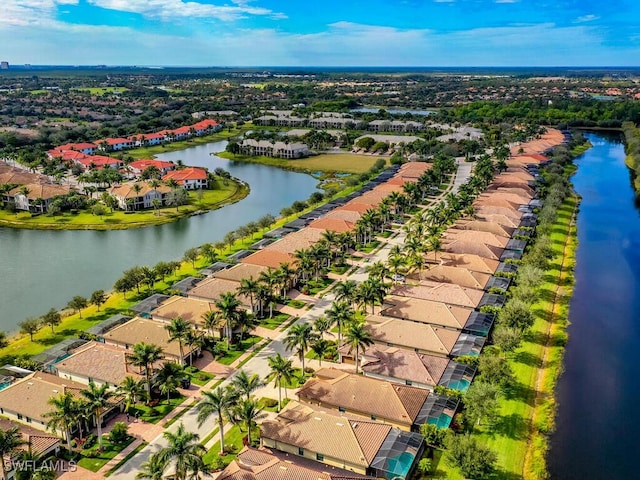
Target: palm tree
132 390
246 413
219 402
10 441
299 338
377 270
346 291
358 338
98 400
184 450
320 347
229 307
281 371
144 356
211 320
322 325
63 415
169 378
249 288
245 321
153 469
246 384
179 330
340 313
395 262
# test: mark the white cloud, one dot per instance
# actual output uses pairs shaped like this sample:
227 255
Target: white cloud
169 9
30 12
587 18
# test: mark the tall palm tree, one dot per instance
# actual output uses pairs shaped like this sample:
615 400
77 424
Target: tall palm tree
281 371
346 291
63 415
320 347
144 356
184 450
132 390
97 401
179 330
340 313
211 320
247 384
377 270
229 307
169 378
396 262
217 402
153 469
249 288
358 339
299 338
246 413
322 325
288 275
10 441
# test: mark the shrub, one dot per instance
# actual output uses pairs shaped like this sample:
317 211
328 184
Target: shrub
119 432
269 402
89 442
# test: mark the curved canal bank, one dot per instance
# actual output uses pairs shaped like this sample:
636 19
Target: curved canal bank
598 421
44 269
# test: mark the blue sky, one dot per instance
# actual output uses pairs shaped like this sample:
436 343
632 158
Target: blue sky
321 32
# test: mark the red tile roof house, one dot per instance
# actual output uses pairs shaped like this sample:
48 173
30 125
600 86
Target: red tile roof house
66 155
190 178
144 139
181 133
114 144
37 443
99 161
86 148
139 166
206 126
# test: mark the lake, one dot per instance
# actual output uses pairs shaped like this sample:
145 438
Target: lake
598 421
43 269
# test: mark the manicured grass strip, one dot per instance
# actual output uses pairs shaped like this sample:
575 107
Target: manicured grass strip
232 444
110 450
238 349
275 321
129 456
158 412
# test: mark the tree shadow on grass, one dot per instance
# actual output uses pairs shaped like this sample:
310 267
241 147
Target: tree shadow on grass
538 338
500 474
513 426
520 392
528 359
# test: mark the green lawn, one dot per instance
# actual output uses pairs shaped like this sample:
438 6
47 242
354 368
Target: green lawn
198 201
158 412
232 445
238 349
297 380
325 162
274 322
101 90
199 377
110 450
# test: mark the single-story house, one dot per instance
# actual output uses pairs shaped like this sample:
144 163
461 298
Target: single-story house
190 309
425 311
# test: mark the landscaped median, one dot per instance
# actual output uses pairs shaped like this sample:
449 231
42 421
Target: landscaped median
226 192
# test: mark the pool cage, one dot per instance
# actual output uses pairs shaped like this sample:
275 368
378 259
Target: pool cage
437 410
397 456
468 344
457 376
146 306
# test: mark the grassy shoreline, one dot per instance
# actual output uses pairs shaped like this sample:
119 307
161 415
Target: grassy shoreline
119 220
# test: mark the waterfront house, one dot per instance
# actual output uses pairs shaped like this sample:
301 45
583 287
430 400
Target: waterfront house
190 178
190 309
212 289
140 166
360 446
398 405
141 197
114 144
35 197
267 464
456 275
425 311
448 293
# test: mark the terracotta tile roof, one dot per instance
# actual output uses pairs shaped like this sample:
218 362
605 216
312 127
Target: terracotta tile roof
347 215
269 258
189 309
425 311
355 205
389 187
360 395
20 177
42 190
458 276
482 211
240 271
412 335
477 236
114 141
265 464
38 441
472 262
483 226
143 330
29 396
189 173
127 191
499 219
142 164
99 361
481 249
402 364
299 240
212 289
326 434
518 199
448 293
496 202
333 224
522 190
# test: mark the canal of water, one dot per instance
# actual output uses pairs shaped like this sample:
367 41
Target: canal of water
44 269
598 421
